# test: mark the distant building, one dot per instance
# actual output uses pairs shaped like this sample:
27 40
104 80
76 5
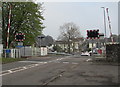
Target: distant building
99 43
75 45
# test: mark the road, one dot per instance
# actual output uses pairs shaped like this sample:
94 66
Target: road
63 70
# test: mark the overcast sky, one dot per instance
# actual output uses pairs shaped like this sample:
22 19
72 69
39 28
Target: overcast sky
86 15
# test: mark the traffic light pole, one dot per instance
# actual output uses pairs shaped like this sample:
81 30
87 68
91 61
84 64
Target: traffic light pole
92 34
92 47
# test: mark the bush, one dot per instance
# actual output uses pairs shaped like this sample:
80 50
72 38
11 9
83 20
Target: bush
57 48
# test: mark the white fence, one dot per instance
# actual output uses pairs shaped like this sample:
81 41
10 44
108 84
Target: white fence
26 52
15 53
43 51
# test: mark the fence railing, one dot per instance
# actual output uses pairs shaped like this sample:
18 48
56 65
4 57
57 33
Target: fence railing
24 52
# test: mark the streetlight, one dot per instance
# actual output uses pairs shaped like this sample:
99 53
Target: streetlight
104 20
104 27
40 38
40 41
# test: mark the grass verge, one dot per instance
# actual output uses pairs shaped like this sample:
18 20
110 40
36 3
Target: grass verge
9 60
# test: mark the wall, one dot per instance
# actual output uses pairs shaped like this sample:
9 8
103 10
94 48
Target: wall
113 52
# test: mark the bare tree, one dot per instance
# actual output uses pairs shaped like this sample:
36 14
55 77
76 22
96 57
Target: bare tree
68 33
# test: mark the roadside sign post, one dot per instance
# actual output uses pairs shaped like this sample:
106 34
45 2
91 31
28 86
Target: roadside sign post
20 37
92 47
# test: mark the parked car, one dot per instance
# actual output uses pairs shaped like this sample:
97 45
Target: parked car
85 54
94 53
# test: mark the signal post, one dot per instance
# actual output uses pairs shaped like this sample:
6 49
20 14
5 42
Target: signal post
92 34
19 38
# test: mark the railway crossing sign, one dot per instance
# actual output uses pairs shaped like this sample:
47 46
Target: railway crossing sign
19 37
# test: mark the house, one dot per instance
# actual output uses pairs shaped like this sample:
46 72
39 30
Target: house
74 44
94 44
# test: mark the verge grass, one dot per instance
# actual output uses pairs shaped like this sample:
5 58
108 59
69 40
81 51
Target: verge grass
9 60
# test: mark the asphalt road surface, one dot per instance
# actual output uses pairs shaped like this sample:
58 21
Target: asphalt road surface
63 70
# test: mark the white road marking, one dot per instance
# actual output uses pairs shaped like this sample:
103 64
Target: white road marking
9 71
45 62
6 72
31 61
66 62
88 60
25 67
36 64
74 63
18 69
49 61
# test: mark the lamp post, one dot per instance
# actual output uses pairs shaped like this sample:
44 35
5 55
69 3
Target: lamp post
104 28
40 41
